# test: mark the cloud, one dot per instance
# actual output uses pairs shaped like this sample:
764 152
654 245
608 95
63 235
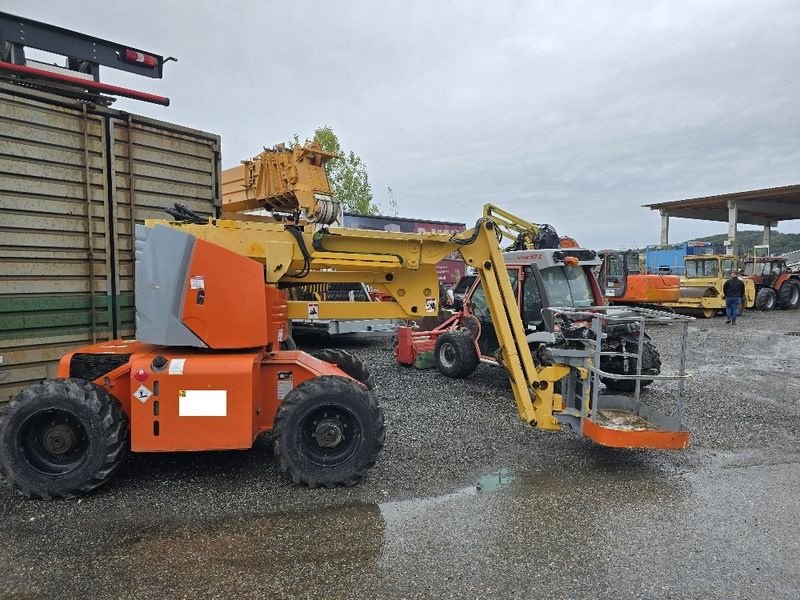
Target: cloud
572 113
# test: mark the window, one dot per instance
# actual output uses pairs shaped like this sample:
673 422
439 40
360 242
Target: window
632 262
532 299
701 268
513 276
614 267
728 266
478 303
567 286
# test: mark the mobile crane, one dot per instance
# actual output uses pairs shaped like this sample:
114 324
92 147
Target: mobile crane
213 365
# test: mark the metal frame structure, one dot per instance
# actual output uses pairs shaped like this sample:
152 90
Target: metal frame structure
647 428
766 207
84 56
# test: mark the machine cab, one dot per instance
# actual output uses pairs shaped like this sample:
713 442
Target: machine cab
709 267
540 279
615 269
765 271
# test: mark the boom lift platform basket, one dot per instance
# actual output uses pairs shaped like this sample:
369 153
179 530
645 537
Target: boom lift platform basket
616 420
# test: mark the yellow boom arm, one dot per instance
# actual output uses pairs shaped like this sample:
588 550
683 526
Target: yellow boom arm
403 265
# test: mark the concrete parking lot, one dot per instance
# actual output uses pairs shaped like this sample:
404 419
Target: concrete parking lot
465 501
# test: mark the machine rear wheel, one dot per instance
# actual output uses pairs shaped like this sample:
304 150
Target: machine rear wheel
347 362
455 354
328 431
789 295
765 299
62 438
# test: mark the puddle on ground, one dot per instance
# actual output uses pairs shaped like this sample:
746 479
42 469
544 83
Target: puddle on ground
485 485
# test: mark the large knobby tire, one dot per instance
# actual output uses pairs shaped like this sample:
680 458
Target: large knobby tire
347 362
789 294
62 438
651 362
765 299
329 431
455 354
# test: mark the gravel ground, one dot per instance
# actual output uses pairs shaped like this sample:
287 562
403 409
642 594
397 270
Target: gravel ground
465 500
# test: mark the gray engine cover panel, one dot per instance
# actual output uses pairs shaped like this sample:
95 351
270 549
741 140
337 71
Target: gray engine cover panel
162 263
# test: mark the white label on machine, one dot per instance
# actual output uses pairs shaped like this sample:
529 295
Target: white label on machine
142 394
203 403
197 282
313 310
176 366
285 384
430 304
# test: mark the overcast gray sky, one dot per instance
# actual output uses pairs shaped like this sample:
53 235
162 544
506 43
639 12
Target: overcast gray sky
570 113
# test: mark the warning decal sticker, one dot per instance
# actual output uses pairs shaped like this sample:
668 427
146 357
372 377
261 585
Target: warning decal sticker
141 375
142 394
430 304
285 384
176 366
313 310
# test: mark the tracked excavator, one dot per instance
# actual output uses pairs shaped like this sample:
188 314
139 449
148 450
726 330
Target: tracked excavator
213 365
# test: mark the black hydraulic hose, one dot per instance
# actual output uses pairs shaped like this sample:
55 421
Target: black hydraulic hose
183 213
298 236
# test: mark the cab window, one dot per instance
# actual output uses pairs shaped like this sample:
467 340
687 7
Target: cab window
613 266
478 303
632 262
567 286
728 266
701 268
532 299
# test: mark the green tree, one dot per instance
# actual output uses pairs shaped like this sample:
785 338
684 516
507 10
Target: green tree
347 174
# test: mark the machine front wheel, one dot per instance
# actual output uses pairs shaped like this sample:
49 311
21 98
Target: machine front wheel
62 438
455 354
329 431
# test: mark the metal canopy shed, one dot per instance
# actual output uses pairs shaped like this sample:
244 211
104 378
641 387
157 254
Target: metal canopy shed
765 207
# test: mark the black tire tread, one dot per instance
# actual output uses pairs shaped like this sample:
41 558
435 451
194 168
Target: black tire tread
786 292
110 415
763 299
301 394
465 349
347 362
651 359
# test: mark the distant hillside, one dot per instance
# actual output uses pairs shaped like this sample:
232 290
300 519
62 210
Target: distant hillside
779 242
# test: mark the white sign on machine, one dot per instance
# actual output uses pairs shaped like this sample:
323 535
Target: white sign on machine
203 403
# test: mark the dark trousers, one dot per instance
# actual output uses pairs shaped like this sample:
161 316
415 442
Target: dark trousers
732 308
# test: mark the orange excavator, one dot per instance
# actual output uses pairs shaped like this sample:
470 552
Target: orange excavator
623 282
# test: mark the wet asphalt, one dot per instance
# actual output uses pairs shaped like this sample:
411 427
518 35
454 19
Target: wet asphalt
464 502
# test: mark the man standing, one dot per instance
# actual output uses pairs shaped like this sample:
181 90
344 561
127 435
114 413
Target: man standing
733 290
